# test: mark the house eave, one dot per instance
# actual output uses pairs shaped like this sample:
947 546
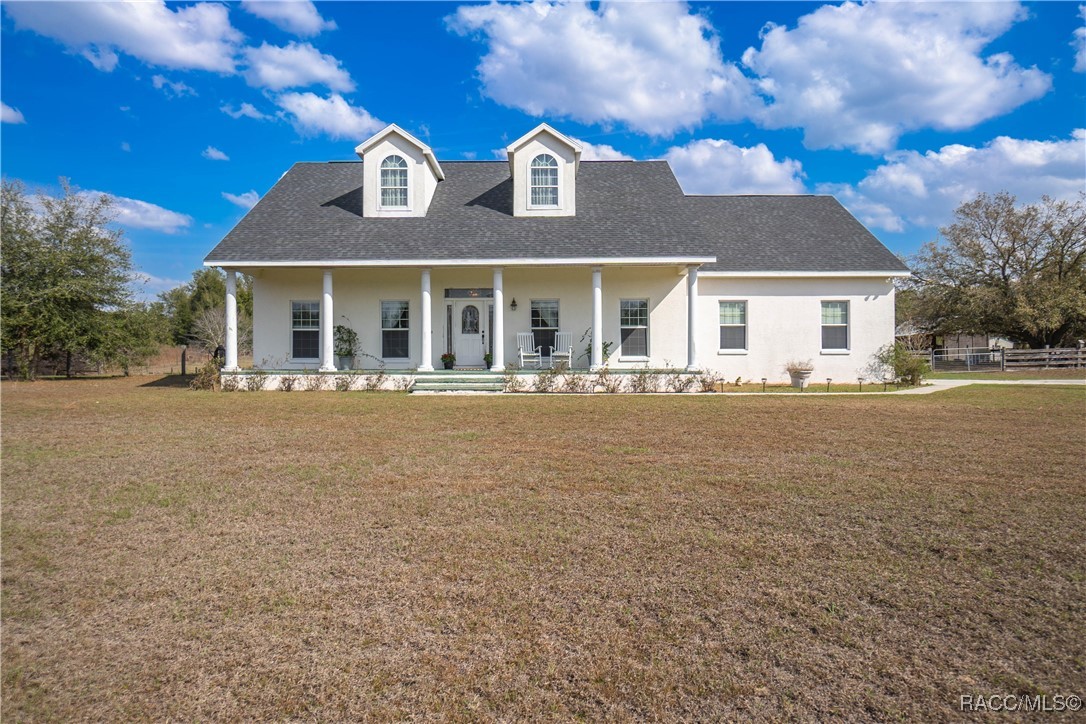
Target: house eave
805 274
488 262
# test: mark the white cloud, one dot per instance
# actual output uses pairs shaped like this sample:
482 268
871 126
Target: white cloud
247 110
655 67
172 88
333 116
10 115
1078 42
294 65
246 200
148 286
299 16
195 37
858 76
601 152
126 146
214 154
713 166
923 189
136 214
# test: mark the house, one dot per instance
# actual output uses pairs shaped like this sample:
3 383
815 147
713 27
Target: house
422 258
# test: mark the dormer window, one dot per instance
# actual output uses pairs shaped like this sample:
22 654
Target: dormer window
394 183
544 185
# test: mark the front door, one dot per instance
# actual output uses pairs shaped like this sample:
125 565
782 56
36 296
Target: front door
469 331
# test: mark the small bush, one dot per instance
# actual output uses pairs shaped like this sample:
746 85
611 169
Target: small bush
287 383
511 380
256 380
644 380
404 382
606 380
548 380
206 378
314 383
575 382
376 381
677 380
229 383
707 381
902 367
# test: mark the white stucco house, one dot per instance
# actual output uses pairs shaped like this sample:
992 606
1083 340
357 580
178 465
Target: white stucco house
422 258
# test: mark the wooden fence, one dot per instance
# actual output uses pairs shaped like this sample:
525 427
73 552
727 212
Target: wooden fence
979 359
1065 358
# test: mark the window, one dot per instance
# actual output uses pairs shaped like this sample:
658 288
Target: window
544 181
544 321
834 325
469 320
634 324
305 330
395 330
733 325
394 182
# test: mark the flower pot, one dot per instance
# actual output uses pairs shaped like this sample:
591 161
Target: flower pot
800 378
345 362
448 365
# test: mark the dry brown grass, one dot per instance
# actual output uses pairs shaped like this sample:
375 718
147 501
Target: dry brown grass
179 555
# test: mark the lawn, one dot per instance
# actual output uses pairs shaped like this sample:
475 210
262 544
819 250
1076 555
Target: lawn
1052 374
339 556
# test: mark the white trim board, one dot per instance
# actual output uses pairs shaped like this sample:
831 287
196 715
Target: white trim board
801 274
435 263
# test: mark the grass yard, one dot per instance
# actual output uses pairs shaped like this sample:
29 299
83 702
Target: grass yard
192 556
1052 374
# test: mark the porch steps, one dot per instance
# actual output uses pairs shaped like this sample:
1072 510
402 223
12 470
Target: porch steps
459 382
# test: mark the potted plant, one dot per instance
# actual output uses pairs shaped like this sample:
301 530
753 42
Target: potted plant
488 359
448 359
800 372
346 343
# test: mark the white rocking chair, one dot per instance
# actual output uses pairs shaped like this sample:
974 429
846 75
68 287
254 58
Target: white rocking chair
527 350
562 351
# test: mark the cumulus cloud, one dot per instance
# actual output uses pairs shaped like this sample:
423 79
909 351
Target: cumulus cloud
714 166
332 115
923 189
858 76
299 16
294 65
136 214
655 67
1078 42
246 200
10 115
246 110
174 89
195 37
214 154
601 152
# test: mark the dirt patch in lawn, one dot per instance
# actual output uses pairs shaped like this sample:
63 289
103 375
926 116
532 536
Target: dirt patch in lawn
178 555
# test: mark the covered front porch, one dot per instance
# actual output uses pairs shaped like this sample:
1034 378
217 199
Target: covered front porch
413 319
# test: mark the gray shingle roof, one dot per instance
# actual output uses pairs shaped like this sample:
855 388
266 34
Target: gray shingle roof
624 209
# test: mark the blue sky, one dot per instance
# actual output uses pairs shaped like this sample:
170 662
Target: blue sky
187 113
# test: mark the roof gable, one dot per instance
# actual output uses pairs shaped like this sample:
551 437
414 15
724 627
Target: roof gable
392 128
546 128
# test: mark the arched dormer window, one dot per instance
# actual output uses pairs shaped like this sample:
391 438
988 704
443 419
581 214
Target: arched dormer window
394 182
544 187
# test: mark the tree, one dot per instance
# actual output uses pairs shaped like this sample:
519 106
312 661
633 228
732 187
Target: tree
186 304
130 335
209 329
1014 271
65 273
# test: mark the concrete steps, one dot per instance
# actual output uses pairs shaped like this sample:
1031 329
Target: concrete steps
456 381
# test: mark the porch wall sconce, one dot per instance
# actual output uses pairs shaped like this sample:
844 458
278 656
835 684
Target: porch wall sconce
513 304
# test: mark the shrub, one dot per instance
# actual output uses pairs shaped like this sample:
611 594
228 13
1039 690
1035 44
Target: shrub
376 381
287 383
677 380
900 365
206 378
607 380
644 380
404 382
548 380
256 380
575 382
313 383
229 383
511 380
707 381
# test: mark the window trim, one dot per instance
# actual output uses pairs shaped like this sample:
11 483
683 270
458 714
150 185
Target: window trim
291 329
557 182
745 325
622 355
406 168
383 328
847 325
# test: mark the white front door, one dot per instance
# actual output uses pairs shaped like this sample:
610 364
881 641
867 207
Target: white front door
469 331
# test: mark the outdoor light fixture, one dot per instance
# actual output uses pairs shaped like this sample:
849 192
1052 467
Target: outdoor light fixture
763 384
513 304
828 381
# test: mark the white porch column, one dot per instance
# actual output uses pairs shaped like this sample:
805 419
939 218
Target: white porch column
328 362
498 333
426 362
597 317
692 318
231 321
